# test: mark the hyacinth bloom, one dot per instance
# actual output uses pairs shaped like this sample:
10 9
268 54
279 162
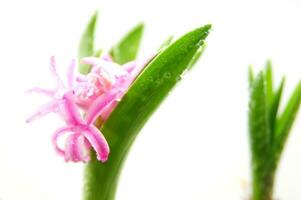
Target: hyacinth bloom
97 94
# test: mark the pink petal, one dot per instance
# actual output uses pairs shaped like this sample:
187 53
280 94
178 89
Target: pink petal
43 110
71 151
90 60
83 148
108 110
98 142
56 135
101 65
98 105
107 57
76 147
54 72
69 110
81 78
106 81
123 83
46 92
70 75
141 65
130 66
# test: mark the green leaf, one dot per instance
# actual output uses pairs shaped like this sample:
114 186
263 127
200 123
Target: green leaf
141 100
251 76
260 134
287 118
86 45
258 121
127 49
269 83
273 110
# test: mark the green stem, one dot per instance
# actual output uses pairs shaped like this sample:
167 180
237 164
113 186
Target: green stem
263 187
264 178
102 178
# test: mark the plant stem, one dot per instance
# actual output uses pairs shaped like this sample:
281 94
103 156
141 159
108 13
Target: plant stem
263 187
101 178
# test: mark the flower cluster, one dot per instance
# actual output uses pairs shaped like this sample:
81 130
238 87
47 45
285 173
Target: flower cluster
96 94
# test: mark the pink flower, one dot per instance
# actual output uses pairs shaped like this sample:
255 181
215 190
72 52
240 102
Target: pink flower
82 133
97 94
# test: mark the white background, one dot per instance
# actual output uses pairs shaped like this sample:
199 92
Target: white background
195 145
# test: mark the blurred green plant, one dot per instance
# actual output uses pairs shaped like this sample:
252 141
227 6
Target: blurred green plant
268 129
143 97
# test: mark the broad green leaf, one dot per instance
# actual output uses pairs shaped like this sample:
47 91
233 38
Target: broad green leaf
141 100
287 118
127 49
275 107
86 45
259 131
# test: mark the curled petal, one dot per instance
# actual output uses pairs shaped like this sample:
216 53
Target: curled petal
49 107
83 148
71 151
76 146
98 142
56 135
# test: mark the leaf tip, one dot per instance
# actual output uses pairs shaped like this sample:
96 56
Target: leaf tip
208 26
268 63
95 15
206 29
251 75
93 19
139 28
